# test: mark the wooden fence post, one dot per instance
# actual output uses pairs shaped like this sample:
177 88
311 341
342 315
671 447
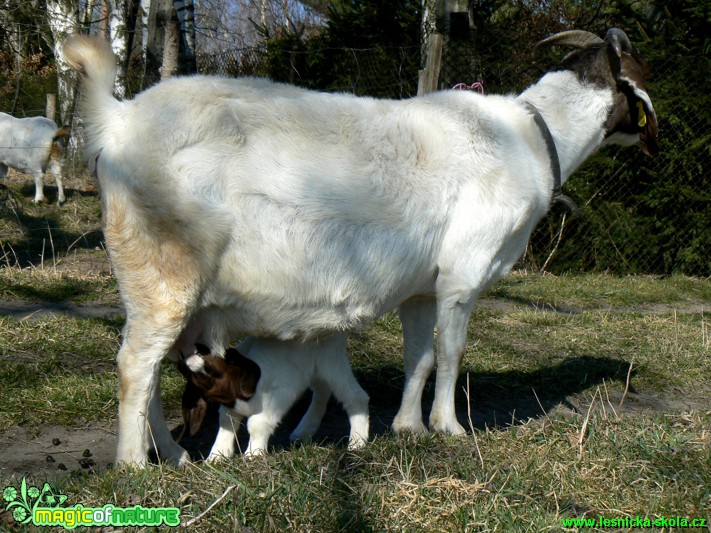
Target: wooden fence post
429 76
51 108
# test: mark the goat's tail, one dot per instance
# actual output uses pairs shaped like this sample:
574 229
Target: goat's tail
61 134
93 59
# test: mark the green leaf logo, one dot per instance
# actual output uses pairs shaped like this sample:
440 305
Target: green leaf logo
23 502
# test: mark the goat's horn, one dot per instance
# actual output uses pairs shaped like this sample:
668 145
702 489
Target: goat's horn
575 38
619 41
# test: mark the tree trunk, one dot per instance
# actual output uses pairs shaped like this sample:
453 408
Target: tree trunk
119 43
144 9
186 16
171 49
62 17
104 17
51 107
158 19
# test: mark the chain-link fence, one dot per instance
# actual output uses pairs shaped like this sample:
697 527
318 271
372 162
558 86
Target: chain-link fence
390 73
639 215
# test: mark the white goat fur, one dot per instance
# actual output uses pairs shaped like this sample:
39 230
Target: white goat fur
32 145
246 206
288 369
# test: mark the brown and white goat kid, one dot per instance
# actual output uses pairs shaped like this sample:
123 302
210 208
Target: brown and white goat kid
265 382
250 207
34 145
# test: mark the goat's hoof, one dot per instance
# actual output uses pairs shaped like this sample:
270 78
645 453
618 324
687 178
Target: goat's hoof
178 460
252 454
129 463
448 428
405 428
216 458
300 438
356 444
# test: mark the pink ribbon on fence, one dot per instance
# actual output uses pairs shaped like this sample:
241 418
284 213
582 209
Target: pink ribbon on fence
477 86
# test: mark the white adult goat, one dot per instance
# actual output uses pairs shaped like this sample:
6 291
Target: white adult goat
33 145
245 206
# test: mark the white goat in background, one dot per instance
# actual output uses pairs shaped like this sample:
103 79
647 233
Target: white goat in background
250 207
33 145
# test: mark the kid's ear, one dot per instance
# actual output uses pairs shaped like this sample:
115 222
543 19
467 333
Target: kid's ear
233 356
202 349
250 377
194 407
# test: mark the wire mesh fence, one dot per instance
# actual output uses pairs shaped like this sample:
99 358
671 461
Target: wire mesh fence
386 73
639 214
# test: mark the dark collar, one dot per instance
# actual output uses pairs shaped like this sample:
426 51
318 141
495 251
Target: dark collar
558 195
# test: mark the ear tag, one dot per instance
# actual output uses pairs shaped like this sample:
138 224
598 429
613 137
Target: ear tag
642 120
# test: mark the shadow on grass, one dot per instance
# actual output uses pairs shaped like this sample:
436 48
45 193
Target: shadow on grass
54 297
496 400
45 239
503 295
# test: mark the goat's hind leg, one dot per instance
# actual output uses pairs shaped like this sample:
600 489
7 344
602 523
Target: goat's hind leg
355 403
336 372
39 186
159 432
311 420
139 361
55 169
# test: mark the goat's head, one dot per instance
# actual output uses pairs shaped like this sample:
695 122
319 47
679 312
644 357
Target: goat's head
217 379
615 63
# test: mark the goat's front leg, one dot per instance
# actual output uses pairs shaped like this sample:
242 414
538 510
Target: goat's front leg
452 320
224 446
261 426
418 317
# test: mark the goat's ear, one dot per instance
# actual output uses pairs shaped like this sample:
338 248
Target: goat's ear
193 418
233 356
633 70
249 373
648 135
194 408
645 119
250 377
202 349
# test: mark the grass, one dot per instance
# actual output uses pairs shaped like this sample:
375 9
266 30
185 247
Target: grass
586 396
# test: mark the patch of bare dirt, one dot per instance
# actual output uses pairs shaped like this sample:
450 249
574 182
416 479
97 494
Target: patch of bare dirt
48 451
